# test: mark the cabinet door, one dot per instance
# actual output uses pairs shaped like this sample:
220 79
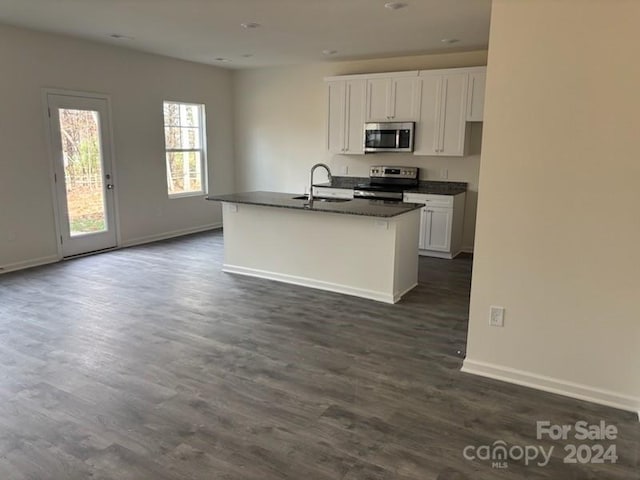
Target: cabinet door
437 234
330 192
428 129
453 114
378 99
475 100
423 229
336 125
354 122
404 102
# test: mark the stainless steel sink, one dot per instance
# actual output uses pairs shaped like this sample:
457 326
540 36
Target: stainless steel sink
328 200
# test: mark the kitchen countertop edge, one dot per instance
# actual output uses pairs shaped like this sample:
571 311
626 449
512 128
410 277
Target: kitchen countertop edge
425 187
361 207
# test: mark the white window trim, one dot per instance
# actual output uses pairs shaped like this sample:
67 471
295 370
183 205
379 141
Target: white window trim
204 164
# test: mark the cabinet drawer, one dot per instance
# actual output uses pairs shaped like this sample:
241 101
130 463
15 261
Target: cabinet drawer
329 192
429 200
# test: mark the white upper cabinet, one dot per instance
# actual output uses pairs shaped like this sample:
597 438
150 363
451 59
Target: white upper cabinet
393 98
441 128
354 122
405 99
336 125
427 139
475 94
346 116
378 99
439 101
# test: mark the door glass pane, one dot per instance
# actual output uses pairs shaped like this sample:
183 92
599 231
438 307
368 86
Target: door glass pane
82 156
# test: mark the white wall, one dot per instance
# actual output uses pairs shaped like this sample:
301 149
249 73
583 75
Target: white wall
558 218
137 84
281 122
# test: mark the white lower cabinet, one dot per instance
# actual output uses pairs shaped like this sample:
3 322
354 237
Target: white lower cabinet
331 192
441 223
437 232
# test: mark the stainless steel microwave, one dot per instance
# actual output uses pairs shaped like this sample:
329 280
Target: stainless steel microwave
388 137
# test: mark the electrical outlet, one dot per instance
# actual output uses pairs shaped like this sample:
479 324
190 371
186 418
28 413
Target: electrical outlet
345 170
496 316
444 173
383 224
231 207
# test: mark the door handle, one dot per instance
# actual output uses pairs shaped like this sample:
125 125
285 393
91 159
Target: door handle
109 186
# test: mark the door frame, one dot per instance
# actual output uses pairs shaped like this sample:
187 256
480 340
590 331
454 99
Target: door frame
52 159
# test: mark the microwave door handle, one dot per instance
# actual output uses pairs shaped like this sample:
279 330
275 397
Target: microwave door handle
398 138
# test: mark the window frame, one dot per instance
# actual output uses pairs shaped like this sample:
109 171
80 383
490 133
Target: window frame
202 132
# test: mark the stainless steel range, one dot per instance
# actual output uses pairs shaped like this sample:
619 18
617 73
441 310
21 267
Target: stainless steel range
387 183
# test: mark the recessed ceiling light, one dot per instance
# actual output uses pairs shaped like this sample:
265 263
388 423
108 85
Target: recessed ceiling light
449 40
221 59
329 52
250 25
247 55
395 5
117 36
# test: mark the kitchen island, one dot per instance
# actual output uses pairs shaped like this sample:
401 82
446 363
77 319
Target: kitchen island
366 248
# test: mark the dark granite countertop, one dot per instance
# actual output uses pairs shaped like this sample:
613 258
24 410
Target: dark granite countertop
343 182
368 208
430 187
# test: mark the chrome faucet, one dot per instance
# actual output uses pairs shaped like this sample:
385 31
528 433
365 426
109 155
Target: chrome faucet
317 165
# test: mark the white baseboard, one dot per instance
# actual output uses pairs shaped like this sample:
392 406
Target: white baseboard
435 254
35 262
310 282
445 255
399 295
553 385
166 235
129 243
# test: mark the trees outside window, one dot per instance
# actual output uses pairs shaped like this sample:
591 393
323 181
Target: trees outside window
184 133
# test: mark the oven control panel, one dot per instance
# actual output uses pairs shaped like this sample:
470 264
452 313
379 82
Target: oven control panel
380 171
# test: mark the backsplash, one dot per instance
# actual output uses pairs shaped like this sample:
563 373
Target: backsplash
464 169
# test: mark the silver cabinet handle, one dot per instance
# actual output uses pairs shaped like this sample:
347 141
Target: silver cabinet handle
109 186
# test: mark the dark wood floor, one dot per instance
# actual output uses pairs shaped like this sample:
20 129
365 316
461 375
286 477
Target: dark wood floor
149 363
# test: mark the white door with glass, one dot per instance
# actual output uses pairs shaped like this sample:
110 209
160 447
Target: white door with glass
83 173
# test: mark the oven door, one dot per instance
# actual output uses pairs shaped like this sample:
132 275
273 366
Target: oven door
389 195
388 137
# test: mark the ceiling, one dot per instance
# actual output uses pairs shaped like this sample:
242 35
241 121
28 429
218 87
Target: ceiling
290 31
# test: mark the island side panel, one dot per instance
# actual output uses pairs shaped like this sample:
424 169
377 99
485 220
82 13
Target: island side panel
406 257
350 254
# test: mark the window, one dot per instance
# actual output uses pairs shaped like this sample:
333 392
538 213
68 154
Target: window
184 138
